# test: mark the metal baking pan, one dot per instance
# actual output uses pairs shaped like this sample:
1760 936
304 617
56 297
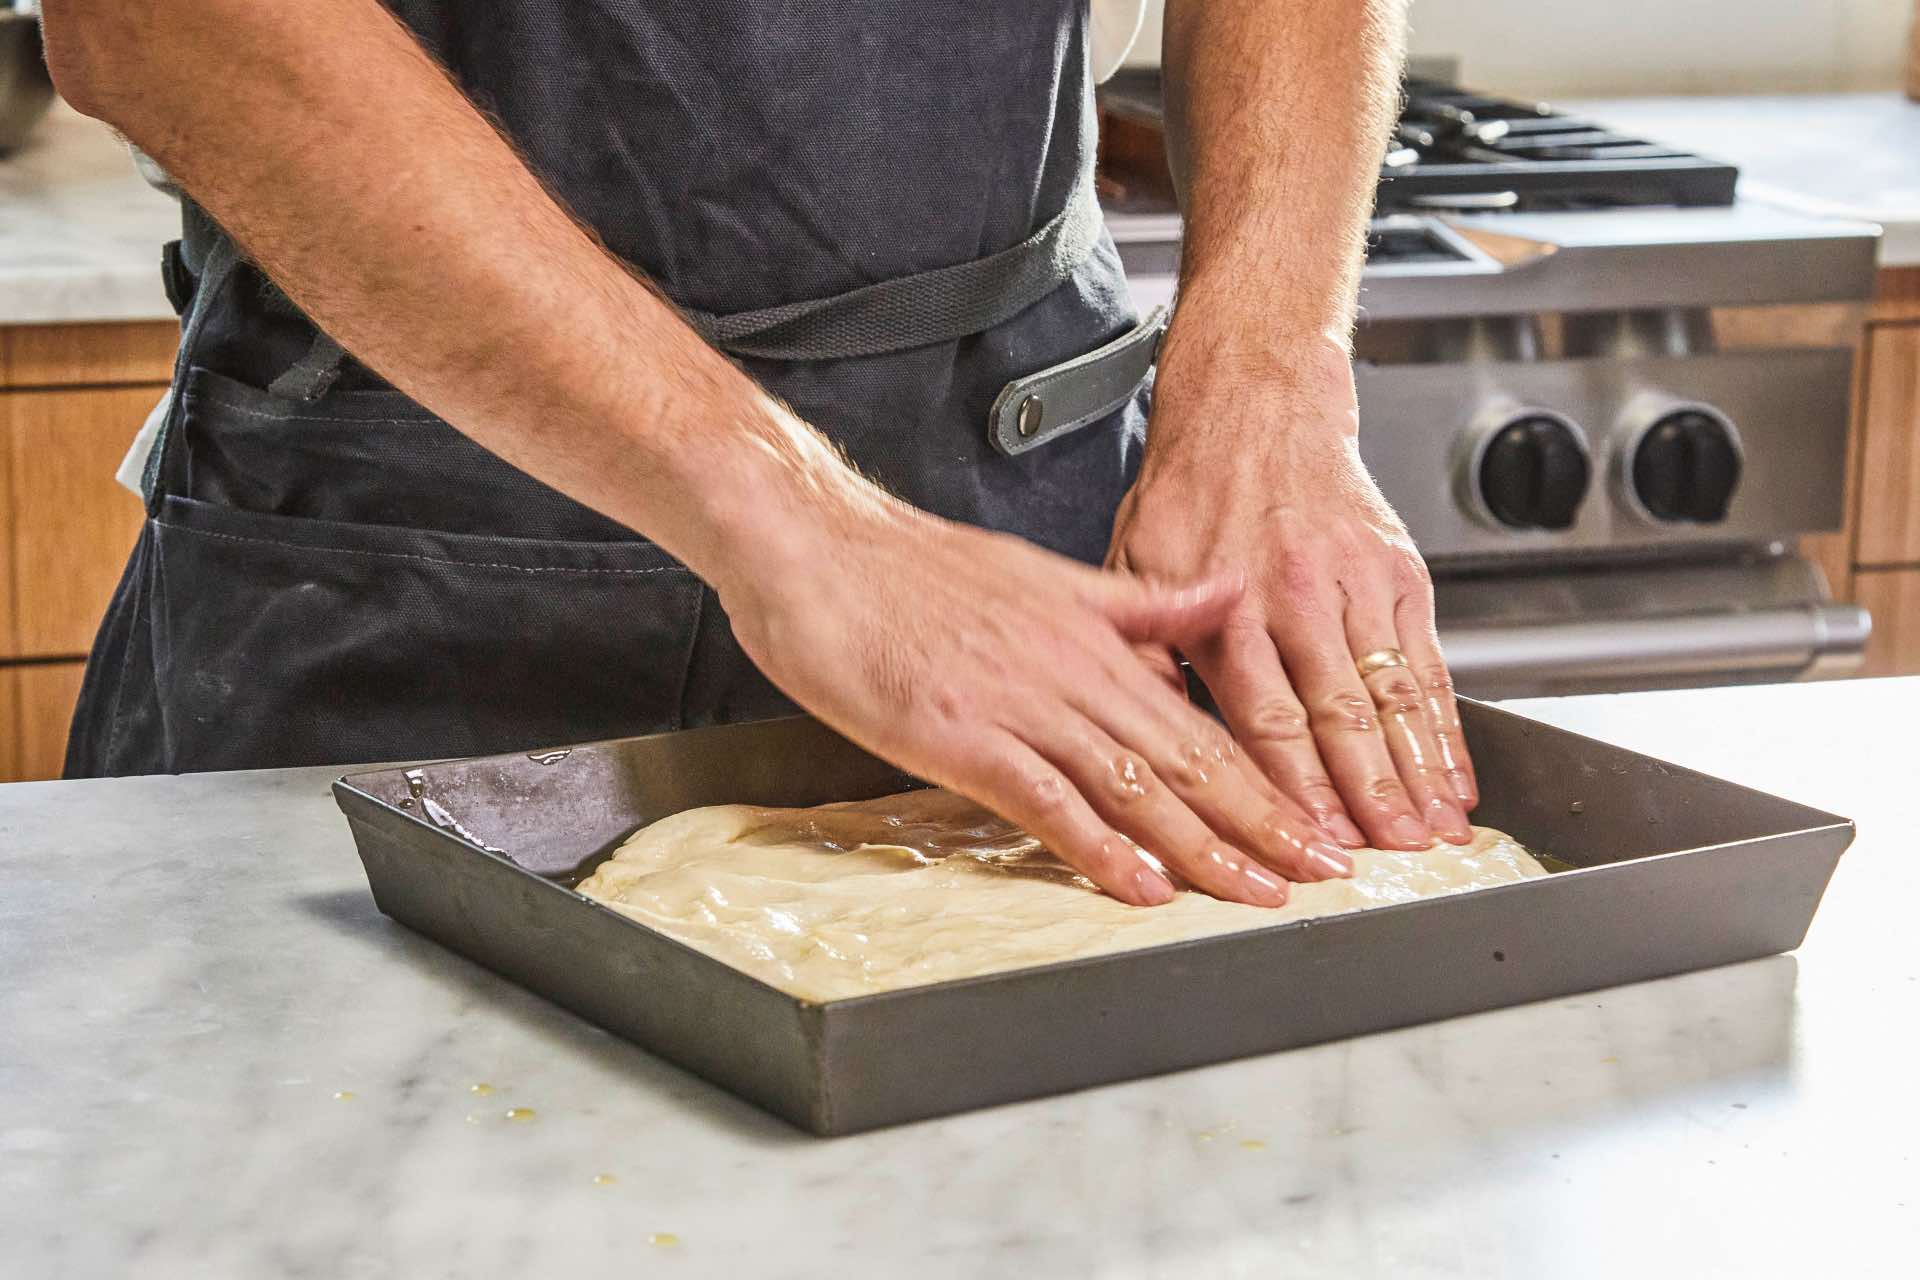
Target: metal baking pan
1671 870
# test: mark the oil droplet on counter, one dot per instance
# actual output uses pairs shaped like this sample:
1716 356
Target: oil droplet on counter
480 1090
416 783
549 757
1253 1144
519 1113
604 1179
664 1240
344 1095
473 1117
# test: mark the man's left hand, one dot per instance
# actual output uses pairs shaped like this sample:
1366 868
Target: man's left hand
1261 475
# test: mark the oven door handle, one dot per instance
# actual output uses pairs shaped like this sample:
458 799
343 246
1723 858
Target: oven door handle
1786 639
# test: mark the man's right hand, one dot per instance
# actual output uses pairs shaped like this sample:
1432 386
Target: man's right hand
1004 672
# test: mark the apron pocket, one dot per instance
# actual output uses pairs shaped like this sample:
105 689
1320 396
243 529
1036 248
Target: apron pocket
362 457
279 640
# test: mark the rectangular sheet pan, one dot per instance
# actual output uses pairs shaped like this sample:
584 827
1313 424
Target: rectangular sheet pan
1674 870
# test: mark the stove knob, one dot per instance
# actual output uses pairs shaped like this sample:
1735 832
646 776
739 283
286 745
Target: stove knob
1533 472
1686 467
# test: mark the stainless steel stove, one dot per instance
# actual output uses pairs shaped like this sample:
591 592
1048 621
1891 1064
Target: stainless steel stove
1606 395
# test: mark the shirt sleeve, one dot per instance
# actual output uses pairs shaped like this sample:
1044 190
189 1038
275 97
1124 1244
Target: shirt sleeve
1116 25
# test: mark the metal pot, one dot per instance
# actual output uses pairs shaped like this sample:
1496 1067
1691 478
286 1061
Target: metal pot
26 90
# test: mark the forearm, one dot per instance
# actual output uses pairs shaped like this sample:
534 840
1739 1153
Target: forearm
362 181
1277 113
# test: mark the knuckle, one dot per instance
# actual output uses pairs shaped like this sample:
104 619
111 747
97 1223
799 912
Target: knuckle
1342 712
1045 794
1197 760
1410 571
1299 574
1039 792
1388 792
1436 680
1397 695
948 705
1278 723
1129 780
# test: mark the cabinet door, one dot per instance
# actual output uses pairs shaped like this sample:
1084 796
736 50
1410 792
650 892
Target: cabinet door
45 693
88 355
69 525
9 724
1892 596
1890 442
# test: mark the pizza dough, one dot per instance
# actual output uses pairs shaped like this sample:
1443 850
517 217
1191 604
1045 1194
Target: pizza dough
874 895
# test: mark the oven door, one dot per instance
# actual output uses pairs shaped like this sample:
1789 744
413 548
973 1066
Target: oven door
1574 629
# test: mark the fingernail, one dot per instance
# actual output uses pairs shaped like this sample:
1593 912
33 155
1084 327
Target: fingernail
1265 886
1334 862
1152 887
1341 828
1409 830
1449 821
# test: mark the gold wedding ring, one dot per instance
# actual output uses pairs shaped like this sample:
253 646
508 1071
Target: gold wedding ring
1380 660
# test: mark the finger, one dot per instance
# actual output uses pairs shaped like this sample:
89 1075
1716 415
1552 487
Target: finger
1420 641
1127 794
1401 709
1159 660
1199 763
1312 643
1243 672
1155 613
1012 779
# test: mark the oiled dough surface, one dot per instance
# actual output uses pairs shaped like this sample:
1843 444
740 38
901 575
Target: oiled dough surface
873 895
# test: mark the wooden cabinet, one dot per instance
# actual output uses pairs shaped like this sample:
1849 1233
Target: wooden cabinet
69 525
42 694
71 399
1890 448
1875 560
1892 596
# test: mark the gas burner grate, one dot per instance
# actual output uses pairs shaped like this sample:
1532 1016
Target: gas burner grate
1453 149
1457 151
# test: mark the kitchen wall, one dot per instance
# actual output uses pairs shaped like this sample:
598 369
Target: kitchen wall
1587 48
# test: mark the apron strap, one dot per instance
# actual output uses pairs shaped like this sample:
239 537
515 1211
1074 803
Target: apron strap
921 309
221 258
1044 406
917 310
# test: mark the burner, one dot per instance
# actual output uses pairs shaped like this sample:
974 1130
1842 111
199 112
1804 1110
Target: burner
1453 149
1458 151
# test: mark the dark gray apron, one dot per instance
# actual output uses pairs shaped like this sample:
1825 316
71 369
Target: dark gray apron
330 574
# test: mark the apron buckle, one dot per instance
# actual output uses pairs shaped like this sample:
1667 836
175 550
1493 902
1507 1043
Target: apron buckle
1054 402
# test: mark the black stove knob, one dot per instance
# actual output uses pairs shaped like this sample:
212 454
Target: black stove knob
1533 473
1686 467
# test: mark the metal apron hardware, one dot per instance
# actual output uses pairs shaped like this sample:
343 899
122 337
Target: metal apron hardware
894 315
330 573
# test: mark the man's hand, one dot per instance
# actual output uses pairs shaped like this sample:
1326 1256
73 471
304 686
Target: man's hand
1252 461
1006 673
1263 478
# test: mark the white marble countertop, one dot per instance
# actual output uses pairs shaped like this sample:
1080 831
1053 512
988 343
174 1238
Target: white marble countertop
1847 155
80 231
192 976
